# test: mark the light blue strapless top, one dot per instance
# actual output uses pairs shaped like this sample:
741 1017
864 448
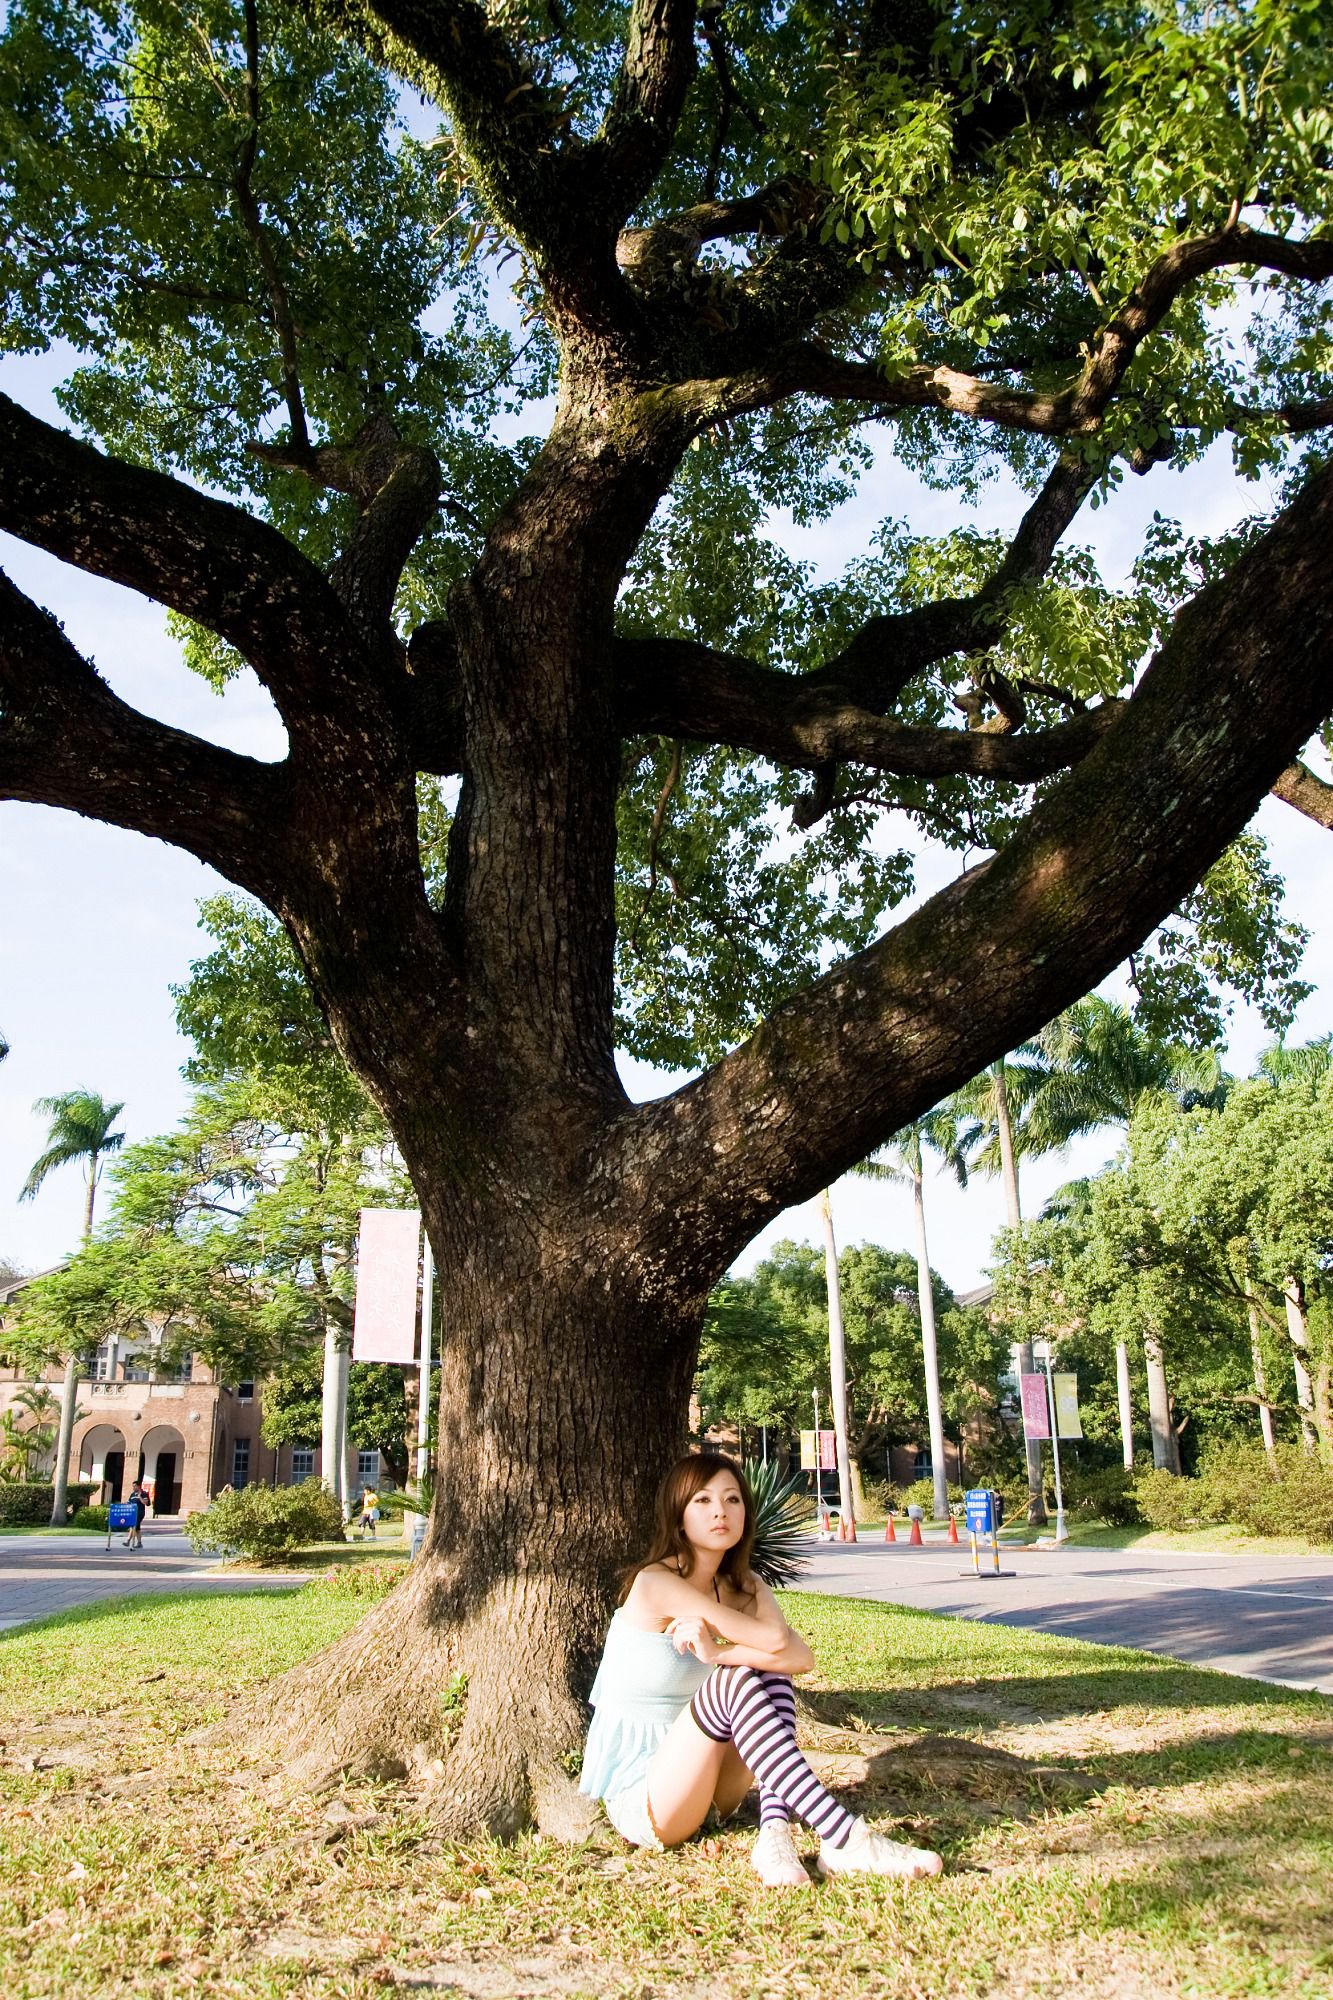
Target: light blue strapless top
642 1685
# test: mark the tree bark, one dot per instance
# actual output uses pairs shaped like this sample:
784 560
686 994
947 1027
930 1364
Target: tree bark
69 1390
1126 1404
1165 1443
837 1362
544 1492
1298 1333
1261 1383
929 1354
333 1412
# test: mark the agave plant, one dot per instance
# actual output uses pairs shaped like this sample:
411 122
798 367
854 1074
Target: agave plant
781 1524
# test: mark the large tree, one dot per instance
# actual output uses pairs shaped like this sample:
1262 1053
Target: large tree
1004 237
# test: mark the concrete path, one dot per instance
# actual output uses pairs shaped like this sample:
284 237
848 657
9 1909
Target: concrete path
42 1574
1266 1616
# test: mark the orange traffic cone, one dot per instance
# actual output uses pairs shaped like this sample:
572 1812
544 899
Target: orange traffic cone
953 1531
851 1528
914 1539
890 1533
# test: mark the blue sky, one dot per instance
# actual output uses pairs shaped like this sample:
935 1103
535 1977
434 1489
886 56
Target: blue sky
97 923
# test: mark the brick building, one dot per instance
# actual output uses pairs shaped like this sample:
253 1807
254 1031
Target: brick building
179 1428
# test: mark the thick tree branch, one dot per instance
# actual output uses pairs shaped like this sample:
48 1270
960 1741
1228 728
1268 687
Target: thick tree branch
678 688
1075 411
1310 794
203 557
1104 857
397 487
67 740
636 135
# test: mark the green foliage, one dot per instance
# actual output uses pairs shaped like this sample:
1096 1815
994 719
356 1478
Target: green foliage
365 1583
23 1503
1101 1493
1237 1487
376 1409
921 1493
781 1524
92 1518
266 1523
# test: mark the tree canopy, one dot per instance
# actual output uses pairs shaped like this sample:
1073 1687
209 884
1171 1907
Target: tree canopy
731 263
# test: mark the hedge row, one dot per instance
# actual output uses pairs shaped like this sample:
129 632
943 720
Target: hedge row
1238 1488
25 1505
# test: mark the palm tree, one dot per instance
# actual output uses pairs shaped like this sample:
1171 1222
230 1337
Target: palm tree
938 1130
80 1129
1092 1066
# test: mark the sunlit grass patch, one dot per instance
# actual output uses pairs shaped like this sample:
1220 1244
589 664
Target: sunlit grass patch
1113 1822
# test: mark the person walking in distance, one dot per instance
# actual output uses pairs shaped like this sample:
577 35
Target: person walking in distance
693 1701
139 1502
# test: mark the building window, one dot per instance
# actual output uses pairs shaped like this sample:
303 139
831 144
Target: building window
240 1464
136 1368
185 1368
368 1468
923 1466
102 1363
303 1463
245 1392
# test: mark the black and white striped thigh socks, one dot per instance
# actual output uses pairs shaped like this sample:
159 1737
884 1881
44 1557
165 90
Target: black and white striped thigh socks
757 1712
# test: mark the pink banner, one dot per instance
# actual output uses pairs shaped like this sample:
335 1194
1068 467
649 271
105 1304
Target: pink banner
1036 1416
828 1451
388 1255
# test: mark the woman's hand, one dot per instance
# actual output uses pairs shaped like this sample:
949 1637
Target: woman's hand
695 1635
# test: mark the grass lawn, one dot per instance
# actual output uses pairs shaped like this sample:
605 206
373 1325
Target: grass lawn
1114 1824
323 1556
31 1528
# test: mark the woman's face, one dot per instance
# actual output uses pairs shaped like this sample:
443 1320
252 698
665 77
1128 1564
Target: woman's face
715 1517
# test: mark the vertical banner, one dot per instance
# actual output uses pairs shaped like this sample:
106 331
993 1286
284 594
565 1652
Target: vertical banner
819 1451
388 1253
1067 1420
1036 1418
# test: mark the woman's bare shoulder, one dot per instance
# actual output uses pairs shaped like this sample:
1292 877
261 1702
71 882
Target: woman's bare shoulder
647 1600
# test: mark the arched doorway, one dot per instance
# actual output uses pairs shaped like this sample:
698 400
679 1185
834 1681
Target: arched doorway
163 1450
102 1462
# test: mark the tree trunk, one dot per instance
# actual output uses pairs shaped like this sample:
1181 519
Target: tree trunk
1004 1131
837 1348
544 1493
1126 1404
1261 1383
333 1412
1293 1298
926 1299
1165 1443
60 1471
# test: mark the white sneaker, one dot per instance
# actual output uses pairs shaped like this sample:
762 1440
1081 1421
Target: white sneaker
774 1858
869 1853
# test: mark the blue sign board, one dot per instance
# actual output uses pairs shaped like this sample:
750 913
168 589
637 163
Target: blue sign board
121 1514
979 1503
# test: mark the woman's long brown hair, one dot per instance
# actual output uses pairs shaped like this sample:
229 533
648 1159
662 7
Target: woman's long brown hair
669 1543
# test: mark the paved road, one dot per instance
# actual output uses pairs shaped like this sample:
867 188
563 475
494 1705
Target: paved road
1267 1616
40 1574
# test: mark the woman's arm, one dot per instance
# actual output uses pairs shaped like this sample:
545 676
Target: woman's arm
692 1635
657 1598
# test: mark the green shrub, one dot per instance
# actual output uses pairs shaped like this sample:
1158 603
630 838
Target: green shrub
1165 1501
90 1517
1237 1487
23 1504
1104 1494
265 1523
881 1497
921 1493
